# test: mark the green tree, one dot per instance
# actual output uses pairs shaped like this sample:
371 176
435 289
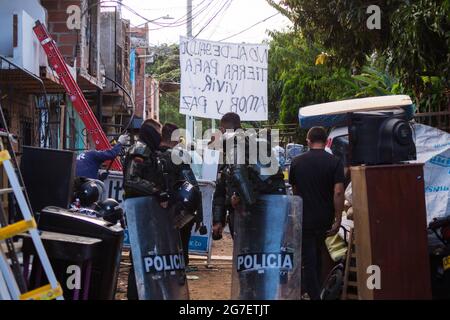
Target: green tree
297 78
166 68
374 80
166 63
414 38
168 109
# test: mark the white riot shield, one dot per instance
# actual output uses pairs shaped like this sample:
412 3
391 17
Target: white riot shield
267 250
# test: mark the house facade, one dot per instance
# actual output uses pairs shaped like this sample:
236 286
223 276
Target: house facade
96 44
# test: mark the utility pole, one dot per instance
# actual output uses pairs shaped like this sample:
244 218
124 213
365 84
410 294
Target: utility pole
190 121
144 109
189 18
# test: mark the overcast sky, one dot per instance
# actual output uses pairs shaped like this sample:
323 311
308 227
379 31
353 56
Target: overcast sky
233 18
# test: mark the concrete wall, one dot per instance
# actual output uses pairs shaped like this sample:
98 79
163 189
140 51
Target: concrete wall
115 49
28 52
153 103
126 55
111 37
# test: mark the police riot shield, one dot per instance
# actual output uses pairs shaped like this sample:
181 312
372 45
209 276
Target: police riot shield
157 251
267 250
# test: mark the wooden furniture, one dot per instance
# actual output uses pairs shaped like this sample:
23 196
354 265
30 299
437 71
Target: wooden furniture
390 231
350 286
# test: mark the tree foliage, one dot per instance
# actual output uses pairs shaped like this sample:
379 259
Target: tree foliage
166 68
374 80
301 74
168 109
295 80
414 38
166 63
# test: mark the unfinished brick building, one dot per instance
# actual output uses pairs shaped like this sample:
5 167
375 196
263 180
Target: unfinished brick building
33 99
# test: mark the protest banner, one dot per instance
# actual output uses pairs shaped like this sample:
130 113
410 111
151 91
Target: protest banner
219 77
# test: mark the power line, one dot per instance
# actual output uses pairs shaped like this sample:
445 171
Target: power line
184 18
208 20
246 29
176 23
205 18
96 4
212 18
220 20
179 22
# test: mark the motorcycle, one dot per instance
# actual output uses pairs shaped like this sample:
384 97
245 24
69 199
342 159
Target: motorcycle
333 285
440 258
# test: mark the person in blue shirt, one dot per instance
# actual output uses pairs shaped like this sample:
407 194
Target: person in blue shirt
89 162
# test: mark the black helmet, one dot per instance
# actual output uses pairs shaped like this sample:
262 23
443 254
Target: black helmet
110 210
188 196
88 193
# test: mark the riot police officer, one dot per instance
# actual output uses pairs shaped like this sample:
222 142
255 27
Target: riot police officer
141 177
265 222
239 182
181 172
136 182
151 185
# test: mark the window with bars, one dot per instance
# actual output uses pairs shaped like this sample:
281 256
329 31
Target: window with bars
26 137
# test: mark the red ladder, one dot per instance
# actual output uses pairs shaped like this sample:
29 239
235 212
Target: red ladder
58 64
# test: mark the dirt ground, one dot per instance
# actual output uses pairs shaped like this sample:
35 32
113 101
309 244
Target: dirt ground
201 280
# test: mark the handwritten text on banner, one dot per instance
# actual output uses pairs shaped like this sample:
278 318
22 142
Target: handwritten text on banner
218 77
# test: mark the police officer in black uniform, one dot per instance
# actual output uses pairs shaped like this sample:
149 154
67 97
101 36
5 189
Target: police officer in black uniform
172 156
141 177
239 182
152 182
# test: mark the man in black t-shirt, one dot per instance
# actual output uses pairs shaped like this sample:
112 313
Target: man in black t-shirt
317 177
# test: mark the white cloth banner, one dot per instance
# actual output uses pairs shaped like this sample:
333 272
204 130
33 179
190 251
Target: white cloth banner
219 77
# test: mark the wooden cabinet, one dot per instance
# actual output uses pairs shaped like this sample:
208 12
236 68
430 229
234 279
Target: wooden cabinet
390 231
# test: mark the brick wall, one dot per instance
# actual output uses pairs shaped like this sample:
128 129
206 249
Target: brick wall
139 36
139 41
57 26
139 82
21 117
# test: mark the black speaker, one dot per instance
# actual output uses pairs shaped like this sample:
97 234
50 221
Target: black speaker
105 261
380 138
48 175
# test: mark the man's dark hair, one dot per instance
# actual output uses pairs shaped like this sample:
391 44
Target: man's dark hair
317 135
231 119
166 132
152 123
150 133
